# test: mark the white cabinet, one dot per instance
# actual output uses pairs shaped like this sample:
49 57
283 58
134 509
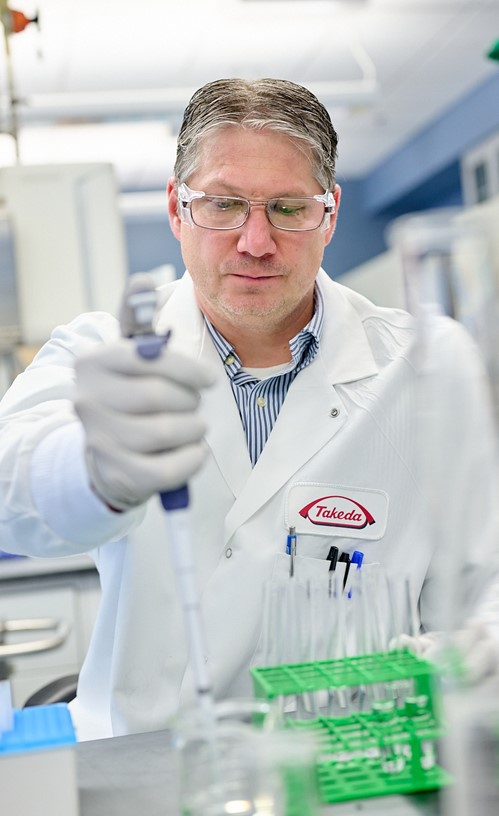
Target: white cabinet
71 597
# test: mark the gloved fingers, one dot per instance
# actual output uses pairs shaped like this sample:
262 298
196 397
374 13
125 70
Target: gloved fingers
135 478
479 651
426 645
406 642
473 632
122 357
482 662
477 648
141 433
174 468
131 395
431 649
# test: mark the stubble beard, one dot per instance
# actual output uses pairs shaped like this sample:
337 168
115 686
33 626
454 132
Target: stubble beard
250 310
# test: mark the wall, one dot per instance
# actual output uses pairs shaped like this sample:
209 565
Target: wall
358 236
427 165
424 173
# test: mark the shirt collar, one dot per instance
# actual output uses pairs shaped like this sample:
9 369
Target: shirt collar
303 346
346 318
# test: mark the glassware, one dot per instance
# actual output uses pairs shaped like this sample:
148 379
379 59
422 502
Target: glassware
251 768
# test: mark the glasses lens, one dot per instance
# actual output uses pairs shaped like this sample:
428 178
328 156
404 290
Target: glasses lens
218 212
225 212
295 213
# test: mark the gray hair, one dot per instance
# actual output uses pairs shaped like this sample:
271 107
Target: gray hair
273 104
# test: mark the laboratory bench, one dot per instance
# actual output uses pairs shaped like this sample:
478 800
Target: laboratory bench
135 775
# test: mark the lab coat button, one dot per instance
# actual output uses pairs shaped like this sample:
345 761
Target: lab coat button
334 412
228 552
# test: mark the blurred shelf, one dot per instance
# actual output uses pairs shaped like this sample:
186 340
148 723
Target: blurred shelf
21 567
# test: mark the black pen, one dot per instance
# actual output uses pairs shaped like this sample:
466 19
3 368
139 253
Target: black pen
332 556
345 558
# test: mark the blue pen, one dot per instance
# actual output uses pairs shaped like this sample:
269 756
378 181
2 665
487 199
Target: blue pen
357 558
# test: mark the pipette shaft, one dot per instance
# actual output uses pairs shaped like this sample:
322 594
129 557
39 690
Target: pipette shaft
176 502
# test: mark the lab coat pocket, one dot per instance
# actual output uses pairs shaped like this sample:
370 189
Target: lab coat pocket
292 612
314 615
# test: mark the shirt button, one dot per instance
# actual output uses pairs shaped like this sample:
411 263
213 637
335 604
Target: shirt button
228 552
261 402
229 359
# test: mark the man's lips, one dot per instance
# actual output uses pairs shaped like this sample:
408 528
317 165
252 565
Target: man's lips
246 276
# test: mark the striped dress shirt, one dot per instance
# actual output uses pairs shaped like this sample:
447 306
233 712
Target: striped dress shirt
259 401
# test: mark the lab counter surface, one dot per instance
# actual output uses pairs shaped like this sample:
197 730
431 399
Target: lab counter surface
135 776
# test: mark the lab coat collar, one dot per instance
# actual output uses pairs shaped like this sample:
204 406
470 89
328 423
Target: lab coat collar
344 355
180 312
344 346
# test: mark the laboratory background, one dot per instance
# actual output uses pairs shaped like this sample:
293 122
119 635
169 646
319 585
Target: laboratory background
91 100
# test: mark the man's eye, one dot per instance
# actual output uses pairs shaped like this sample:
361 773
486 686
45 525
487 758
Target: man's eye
226 204
284 208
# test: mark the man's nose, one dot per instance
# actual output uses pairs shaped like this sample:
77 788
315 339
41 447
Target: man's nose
256 234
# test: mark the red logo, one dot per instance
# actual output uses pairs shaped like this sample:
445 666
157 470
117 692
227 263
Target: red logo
337 511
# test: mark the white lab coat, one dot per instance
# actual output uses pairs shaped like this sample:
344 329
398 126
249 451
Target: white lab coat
347 429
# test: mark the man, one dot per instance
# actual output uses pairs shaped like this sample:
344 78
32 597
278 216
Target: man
285 399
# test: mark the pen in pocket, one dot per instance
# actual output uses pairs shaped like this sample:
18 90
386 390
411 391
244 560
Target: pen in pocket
291 549
332 557
357 559
345 558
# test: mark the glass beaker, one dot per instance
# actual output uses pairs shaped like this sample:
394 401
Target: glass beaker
247 766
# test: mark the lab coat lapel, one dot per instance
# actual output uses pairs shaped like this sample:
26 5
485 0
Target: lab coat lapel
225 434
303 427
312 412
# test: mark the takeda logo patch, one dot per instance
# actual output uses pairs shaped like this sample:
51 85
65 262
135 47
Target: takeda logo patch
318 509
337 511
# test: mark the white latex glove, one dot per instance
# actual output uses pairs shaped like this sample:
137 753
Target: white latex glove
475 645
143 430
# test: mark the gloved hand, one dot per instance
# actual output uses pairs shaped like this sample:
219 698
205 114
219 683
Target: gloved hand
475 645
143 431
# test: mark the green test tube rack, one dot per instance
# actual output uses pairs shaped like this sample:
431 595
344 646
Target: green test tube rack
390 747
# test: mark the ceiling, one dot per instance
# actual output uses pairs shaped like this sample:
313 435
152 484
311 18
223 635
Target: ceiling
108 80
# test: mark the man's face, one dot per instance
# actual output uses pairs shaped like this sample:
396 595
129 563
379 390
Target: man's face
256 277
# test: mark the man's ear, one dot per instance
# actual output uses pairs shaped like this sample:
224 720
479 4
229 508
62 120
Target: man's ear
175 222
332 224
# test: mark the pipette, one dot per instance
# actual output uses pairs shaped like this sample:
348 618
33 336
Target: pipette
142 305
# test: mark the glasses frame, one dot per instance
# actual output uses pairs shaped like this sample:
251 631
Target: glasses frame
186 196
